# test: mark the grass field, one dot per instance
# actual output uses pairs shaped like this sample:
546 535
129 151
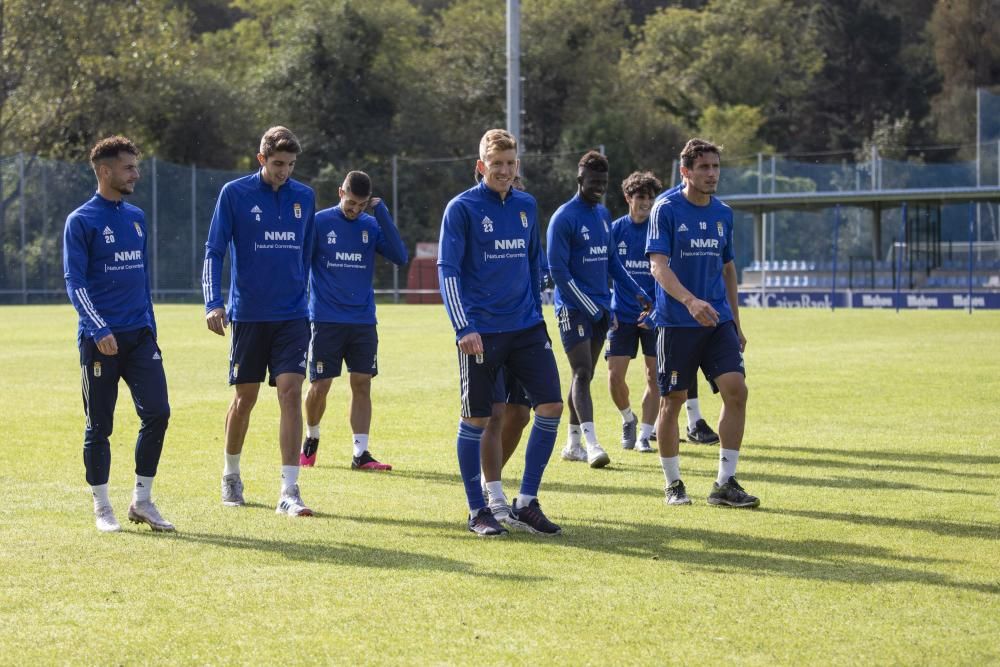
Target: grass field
872 441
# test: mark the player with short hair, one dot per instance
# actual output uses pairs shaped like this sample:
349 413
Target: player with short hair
690 248
265 220
578 238
107 279
628 241
342 309
490 277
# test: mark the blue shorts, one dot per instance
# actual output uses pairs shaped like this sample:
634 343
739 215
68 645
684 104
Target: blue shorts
626 339
575 327
524 355
332 344
259 349
681 350
508 390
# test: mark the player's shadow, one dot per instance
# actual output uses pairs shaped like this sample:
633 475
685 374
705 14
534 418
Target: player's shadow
820 560
877 467
890 456
860 483
548 484
982 531
353 555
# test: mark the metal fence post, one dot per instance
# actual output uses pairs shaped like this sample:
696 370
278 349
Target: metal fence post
836 235
24 228
194 225
760 173
156 213
395 218
972 220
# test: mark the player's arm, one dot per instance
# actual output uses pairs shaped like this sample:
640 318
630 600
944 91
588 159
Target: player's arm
309 242
149 291
558 240
220 233
624 280
76 254
390 244
659 245
535 258
451 254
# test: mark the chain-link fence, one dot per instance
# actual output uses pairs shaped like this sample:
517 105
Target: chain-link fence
37 194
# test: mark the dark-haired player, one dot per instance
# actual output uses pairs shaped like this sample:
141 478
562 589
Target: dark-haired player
490 278
342 309
690 248
265 221
107 279
579 236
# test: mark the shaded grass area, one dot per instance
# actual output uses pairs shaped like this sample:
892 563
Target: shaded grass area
872 441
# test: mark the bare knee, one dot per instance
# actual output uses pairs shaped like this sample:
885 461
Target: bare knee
549 410
244 399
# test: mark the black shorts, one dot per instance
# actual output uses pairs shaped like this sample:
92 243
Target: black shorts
625 340
682 350
525 355
508 390
333 344
575 327
259 349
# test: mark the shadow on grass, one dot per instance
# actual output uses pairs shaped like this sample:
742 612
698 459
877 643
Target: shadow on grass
880 467
554 485
982 531
889 455
821 560
353 555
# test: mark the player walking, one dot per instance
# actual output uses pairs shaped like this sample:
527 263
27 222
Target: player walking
107 279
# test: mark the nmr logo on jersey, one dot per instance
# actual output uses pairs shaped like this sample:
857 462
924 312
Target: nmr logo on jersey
599 250
704 243
279 236
128 256
509 244
348 256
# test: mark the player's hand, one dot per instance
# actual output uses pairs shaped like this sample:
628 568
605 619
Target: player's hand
743 340
216 321
108 346
373 204
703 313
644 302
471 343
643 321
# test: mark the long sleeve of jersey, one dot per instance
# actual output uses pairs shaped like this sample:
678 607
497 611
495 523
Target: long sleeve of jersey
451 255
220 233
75 264
623 277
559 256
149 294
390 243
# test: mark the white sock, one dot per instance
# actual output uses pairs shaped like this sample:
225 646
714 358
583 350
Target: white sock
312 431
575 434
645 430
232 465
495 491
727 464
523 500
627 415
360 443
671 468
143 487
289 477
101 498
589 434
694 412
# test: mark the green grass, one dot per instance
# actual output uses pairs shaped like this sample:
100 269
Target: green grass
872 440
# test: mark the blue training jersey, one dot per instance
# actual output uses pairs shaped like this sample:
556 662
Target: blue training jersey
489 261
578 238
104 263
628 241
269 236
343 264
699 241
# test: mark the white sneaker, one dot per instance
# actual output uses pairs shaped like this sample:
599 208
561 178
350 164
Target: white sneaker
574 453
144 511
232 490
643 446
501 511
290 503
597 457
105 519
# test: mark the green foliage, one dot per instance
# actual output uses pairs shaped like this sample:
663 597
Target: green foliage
735 127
